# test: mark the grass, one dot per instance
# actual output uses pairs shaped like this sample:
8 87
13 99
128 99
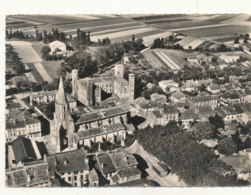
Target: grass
177 56
37 46
25 51
51 68
35 73
229 30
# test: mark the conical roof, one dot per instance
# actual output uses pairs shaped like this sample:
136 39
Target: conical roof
61 98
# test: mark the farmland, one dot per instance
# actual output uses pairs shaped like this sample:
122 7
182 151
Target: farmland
31 57
219 31
25 51
166 58
169 22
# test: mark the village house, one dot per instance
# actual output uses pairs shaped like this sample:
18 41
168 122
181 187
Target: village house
232 97
169 86
177 96
57 45
241 163
229 58
204 100
204 112
33 174
71 167
231 113
21 151
187 117
162 116
247 97
158 97
22 123
214 89
118 167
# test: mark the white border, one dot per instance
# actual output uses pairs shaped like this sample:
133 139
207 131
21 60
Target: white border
109 7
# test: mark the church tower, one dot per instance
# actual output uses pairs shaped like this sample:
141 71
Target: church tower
74 79
58 125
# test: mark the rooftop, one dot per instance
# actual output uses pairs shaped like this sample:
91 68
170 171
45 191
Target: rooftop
105 163
100 130
68 161
121 81
242 164
188 114
28 175
123 160
128 172
23 149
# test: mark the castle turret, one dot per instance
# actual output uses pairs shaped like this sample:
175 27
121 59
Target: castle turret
119 70
131 86
74 77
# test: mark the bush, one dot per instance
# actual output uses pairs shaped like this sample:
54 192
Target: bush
227 146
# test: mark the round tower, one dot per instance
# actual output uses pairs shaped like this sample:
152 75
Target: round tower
131 86
119 70
74 79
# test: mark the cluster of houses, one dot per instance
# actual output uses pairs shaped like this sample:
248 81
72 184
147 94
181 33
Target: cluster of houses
28 165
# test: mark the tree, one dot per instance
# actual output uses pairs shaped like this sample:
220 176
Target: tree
133 38
45 52
245 40
227 146
217 121
236 41
203 130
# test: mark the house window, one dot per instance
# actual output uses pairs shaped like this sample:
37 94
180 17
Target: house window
81 177
75 184
75 178
75 172
69 178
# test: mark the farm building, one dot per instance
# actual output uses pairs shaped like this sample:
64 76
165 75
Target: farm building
57 45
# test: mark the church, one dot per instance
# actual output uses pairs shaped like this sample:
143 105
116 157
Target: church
71 130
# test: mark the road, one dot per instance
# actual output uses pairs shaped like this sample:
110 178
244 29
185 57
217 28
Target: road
170 180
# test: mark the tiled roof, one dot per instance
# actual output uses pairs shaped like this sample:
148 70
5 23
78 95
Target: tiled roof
128 172
203 98
98 115
178 95
100 130
157 114
122 160
121 81
205 110
188 114
169 109
23 149
242 164
31 175
69 161
105 163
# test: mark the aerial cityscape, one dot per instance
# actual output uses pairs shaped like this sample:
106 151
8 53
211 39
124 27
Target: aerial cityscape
128 100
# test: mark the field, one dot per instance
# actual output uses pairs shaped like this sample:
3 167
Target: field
31 57
25 51
219 31
175 21
166 58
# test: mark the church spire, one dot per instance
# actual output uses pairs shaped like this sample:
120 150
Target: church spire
61 98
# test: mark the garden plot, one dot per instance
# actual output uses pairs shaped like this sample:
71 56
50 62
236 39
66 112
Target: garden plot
168 61
35 72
